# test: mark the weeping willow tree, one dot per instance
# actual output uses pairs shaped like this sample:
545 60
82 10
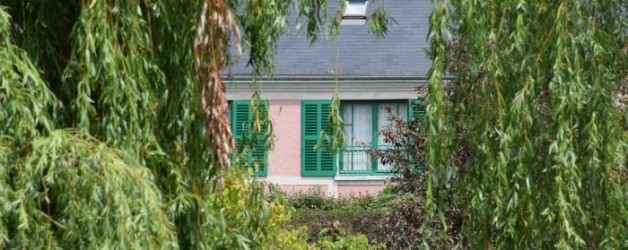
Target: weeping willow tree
532 97
113 130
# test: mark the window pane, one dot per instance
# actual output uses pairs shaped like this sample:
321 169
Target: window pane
403 111
399 110
347 118
362 124
355 8
358 129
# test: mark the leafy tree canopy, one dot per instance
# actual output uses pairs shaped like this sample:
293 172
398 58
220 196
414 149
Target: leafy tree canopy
532 96
113 129
113 133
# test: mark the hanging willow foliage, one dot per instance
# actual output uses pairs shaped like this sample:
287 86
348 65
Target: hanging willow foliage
216 25
75 191
94 93
26 100
60 189
533 93
113 75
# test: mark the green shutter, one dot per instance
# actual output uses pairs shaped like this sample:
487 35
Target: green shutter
315 162
417 111
242 118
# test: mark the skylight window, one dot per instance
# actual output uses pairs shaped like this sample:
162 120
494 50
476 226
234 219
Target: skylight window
355 12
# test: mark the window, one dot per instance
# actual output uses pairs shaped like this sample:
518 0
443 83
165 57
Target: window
355 12
241 118
314 161
362 121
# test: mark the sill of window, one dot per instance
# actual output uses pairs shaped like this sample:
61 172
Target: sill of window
361 178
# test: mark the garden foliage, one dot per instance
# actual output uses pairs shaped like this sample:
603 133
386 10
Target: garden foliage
526 138
113 134
113 128
532 92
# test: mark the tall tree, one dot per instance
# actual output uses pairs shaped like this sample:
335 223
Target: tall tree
113 130
533 95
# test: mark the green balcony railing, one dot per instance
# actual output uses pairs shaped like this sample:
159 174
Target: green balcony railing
356 161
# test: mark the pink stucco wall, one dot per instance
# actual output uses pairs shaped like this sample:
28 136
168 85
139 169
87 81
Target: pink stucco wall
344 191
291 189
285 159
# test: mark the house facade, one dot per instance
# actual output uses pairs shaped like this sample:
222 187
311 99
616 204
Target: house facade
373 75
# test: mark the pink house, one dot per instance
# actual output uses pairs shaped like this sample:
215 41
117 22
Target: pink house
373 76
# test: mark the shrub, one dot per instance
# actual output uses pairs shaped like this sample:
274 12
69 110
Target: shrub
245 216
315 199
367 222
405 226
335 237
312 199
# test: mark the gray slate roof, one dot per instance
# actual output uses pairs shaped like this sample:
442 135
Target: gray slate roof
400 53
